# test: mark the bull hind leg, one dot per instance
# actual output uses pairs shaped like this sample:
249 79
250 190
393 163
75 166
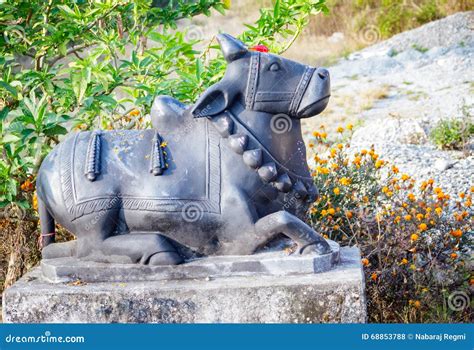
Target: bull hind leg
50 249
150 249
48 230
308 240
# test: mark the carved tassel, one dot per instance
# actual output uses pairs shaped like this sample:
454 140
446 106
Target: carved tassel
158 164
93 156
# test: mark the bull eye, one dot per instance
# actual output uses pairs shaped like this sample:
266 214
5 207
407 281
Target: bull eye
274 67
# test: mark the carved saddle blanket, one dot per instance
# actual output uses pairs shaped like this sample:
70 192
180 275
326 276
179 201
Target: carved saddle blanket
118 169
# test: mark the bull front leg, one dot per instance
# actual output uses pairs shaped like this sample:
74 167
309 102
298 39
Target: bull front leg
308 240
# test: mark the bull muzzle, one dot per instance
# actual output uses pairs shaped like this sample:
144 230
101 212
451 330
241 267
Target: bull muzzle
316 95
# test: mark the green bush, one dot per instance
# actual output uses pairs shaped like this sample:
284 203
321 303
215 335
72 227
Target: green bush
452 133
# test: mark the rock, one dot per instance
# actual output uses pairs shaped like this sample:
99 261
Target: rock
333 296
336 37
443 164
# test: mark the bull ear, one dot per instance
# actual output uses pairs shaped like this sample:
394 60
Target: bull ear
213 101
231 47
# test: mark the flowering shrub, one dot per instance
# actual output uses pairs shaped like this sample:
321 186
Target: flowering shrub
414 238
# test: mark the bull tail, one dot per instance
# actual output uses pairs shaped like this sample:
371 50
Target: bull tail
48 229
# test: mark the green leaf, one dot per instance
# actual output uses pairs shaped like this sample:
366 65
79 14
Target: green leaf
9 88
9 138
55 130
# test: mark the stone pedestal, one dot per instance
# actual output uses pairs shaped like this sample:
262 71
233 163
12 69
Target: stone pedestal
219 291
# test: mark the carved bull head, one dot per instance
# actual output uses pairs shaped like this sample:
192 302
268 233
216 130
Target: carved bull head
265 83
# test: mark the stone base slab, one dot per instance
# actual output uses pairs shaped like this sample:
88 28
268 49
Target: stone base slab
275 263
333 296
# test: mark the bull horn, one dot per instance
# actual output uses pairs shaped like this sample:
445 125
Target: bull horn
231 48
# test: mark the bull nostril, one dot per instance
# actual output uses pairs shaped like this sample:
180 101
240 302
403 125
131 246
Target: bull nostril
322 75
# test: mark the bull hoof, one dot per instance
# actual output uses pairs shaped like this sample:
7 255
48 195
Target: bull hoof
318 248
165 258
59 250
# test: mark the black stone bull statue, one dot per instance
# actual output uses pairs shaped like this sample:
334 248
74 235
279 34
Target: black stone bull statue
222 177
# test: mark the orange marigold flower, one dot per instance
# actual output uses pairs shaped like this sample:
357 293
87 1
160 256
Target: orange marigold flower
357 161
379 163
422 227
373 276
324 212
336 191
134 112
349 126
345 181
407 217
405 177
468 203
349 214
395 169
456 233
439 211
411 197
340 129
35 201
27 186
331 211
417 304
324 135
316 134
453 255
365 261
472 188
462 195
336 227
310 145
437 190
404 261
414 237
340 146
419 217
